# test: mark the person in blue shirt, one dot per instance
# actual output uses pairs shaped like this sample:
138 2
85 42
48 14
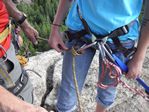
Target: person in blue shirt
102 17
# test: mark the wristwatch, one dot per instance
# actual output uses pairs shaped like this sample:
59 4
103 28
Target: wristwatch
22 19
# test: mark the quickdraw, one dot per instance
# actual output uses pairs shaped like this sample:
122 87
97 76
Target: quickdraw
114 73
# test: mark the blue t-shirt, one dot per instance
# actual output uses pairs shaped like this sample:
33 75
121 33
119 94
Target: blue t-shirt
104 16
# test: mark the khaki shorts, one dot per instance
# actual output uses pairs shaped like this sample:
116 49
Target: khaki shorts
15 72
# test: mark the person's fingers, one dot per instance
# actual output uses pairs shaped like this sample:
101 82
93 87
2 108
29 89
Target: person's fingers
32 34
39 109
63 46
35 41
128 76
132 75
34 37
58 49
55 46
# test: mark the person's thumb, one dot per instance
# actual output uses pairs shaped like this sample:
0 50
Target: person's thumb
63 46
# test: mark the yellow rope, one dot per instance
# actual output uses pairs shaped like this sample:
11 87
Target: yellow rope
74 53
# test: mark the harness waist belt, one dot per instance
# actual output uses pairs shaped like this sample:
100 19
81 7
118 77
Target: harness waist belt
114 34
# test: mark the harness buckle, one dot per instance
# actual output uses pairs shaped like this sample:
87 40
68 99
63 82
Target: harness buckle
125 29
20 83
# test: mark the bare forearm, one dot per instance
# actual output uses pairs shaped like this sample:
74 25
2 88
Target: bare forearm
143 41
55 40
11 103
15 13
29 31
62 10
5 96
144 34
12 10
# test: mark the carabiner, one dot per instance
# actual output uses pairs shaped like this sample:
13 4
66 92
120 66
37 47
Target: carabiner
102 51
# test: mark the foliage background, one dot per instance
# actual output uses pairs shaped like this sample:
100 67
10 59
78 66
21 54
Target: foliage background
40 14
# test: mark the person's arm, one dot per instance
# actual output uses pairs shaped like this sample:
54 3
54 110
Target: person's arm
30 32
55 40
135 65
10 103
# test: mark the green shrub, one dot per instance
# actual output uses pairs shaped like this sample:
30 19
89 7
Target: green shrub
40 14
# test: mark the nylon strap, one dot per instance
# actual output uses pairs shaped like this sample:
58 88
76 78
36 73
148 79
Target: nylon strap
83 21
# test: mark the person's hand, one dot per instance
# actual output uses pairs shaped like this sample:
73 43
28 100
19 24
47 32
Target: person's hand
11 103
134 68
55 40
30 32
20 106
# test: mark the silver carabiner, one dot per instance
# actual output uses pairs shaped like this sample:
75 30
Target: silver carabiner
107 52
85 46
102 51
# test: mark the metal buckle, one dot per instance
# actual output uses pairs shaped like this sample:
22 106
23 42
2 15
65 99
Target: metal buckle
125 29
20 84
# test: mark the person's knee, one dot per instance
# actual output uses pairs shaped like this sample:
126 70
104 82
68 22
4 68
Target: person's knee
106 97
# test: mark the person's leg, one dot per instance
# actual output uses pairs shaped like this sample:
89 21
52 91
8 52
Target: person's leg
100 108
106 97
67 94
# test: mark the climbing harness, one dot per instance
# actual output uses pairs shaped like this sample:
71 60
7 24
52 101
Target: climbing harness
112 64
